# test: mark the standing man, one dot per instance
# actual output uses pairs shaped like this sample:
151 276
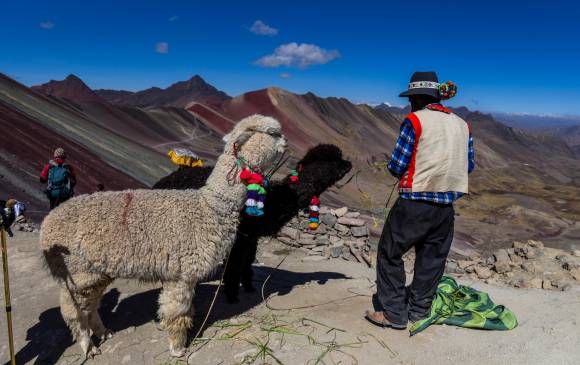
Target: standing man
60 179
432 159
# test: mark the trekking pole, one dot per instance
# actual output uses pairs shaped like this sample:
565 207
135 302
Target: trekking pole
7 295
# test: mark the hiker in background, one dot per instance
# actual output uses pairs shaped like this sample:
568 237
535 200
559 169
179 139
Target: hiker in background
10 210
432 158
60 179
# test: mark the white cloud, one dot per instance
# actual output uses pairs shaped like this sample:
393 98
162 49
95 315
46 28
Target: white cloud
285 75
261 28
162 47
173 18
47 24
298 55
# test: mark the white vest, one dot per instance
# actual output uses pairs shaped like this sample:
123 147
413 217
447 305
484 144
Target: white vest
439 162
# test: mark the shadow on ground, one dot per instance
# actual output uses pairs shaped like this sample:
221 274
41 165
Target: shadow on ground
49 338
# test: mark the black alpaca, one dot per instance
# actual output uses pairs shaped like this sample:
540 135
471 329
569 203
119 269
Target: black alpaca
320 168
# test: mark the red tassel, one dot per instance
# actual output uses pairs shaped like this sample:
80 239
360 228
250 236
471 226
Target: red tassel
245 175
255 178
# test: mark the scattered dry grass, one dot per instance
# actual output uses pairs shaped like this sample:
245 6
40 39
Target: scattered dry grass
268 333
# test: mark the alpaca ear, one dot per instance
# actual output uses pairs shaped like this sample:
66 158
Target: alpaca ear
243 138
346 166
240 138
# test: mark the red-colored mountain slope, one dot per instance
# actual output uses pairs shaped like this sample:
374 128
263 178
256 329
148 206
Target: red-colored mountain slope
71 88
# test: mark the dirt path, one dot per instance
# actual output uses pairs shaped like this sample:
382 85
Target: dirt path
549 331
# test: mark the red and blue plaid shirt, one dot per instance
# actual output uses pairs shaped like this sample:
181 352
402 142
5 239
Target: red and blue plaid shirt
401 158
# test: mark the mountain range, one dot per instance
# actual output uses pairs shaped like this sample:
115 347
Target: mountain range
179 95
537 121
120 138
570 135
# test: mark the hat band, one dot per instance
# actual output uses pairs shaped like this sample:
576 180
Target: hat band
423 85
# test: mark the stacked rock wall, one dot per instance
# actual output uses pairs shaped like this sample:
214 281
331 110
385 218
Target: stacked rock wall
342 234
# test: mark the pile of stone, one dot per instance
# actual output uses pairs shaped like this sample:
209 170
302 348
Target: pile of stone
341 234
24 225
525 265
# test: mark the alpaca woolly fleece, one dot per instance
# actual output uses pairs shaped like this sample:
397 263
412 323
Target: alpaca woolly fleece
176 237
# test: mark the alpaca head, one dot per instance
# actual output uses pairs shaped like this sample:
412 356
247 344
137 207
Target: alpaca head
320 168
257 139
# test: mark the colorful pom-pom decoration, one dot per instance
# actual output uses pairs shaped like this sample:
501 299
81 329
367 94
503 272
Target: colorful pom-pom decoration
447 90
313 218
255 192
293 176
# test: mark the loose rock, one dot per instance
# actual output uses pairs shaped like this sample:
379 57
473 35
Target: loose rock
289 232
352 214
342 229
322 242
536 244
328 219
451 267
483 272
546 284
501 255
351 221
360 231
340 211
502 267
535 283
529 267
335 250
575 274
465 263
320 230
566 287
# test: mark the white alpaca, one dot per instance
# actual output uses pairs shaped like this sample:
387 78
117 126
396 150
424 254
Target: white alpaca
175 237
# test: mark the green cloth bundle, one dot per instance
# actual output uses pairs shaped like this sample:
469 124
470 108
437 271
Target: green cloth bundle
463 306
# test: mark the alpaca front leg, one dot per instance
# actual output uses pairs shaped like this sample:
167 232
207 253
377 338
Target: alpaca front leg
247 274
176 312
232 281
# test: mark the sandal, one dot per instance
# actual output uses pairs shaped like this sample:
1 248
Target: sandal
379 319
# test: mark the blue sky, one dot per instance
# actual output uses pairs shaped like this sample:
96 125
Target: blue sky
514 56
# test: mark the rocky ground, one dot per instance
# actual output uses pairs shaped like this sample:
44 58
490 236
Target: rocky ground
525 265
313 312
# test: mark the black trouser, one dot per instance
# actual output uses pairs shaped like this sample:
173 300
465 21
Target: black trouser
429 228
56 201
